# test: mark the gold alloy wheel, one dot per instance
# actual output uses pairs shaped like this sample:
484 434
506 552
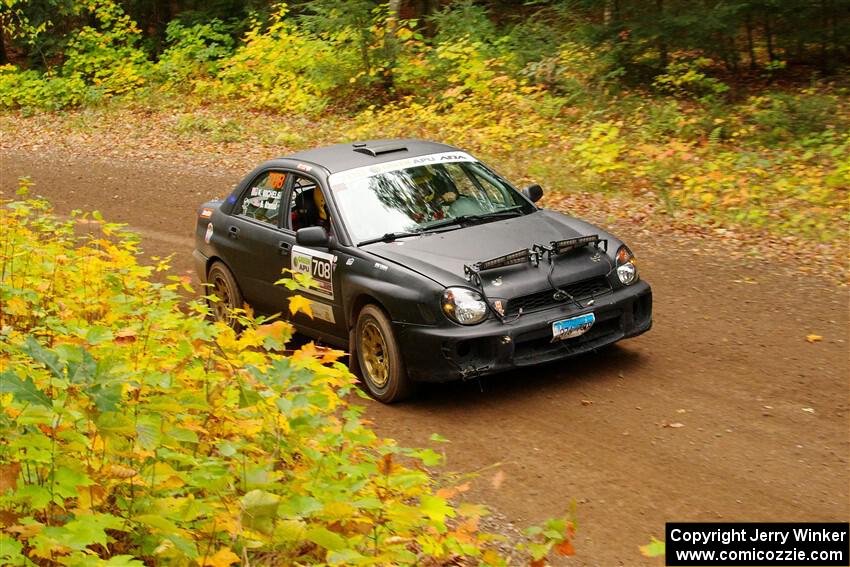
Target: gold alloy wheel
375 354
222 308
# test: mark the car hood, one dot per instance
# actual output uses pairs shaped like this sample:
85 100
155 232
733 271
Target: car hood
442 256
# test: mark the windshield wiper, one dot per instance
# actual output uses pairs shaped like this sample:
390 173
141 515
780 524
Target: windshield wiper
389 237
511 211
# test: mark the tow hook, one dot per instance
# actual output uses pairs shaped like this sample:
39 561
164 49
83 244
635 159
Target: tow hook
472 372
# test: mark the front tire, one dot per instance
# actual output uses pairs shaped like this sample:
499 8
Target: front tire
379 357
225 288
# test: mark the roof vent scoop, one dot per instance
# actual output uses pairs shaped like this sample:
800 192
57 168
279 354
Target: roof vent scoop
375 151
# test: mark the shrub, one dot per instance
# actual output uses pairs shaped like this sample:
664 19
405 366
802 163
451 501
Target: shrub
31 89
134 432
282 68
107 55
687 78
780 117
194 51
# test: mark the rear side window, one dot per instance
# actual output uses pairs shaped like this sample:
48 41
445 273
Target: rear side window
262 200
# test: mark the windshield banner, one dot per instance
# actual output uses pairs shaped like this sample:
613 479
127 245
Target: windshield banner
343 177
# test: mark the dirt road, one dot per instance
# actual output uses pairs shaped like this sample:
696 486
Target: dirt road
722 412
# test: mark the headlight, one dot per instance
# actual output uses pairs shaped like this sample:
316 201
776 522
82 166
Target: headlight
627 271
464 305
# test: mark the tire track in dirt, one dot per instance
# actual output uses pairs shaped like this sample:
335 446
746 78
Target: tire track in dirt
727 358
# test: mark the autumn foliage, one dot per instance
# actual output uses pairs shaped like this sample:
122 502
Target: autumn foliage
538 99
134 431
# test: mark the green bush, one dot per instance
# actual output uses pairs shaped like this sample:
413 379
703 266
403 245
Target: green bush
687 78
31 89
194 51
282 68
106 55
780 117
133 431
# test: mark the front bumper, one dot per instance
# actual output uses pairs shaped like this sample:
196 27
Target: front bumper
451 352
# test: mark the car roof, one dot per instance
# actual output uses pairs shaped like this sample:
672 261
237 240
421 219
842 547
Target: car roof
342 157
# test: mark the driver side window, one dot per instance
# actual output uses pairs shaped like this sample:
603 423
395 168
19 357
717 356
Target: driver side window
307 205
263 199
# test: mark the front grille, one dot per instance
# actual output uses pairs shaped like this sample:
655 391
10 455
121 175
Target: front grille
543 299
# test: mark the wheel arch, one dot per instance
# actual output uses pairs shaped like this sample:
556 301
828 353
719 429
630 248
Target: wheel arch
212 260
360 301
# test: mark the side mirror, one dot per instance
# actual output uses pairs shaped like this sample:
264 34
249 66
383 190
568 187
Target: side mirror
312 237
533 192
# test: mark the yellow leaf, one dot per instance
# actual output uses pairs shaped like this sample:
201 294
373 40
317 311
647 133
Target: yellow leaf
275 330
17 306
224 557
300 303
814 338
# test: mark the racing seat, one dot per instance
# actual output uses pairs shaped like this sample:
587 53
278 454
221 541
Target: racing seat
304 212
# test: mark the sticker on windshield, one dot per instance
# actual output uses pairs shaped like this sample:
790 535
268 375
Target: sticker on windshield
359 173
276 179
319 265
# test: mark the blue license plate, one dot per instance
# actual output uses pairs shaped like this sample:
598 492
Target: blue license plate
571 328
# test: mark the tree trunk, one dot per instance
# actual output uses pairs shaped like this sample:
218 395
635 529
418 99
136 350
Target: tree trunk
3 57
824 48
661 43
423 9
391 42
768 37
750 48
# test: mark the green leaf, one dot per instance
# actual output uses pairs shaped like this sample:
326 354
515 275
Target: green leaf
435 508
25 391
11 552
184 546
300 505
654 548
79 362
183 435
326 538
106 397
156 523
123 561
37 496
97 335
438 438
66 481
247 396
148 431
44 356
346 557
259 509
85 530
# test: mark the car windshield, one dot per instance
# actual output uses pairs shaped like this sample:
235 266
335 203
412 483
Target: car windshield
404 198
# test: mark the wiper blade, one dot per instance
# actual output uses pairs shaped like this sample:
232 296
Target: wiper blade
389 237
472 218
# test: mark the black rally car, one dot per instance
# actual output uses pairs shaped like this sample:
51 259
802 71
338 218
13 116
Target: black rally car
429 266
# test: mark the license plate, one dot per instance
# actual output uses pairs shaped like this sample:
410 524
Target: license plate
571 328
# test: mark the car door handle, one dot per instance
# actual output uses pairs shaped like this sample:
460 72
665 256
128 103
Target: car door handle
233 232
283 247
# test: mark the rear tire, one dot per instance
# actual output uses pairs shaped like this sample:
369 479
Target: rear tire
379 358
224 287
